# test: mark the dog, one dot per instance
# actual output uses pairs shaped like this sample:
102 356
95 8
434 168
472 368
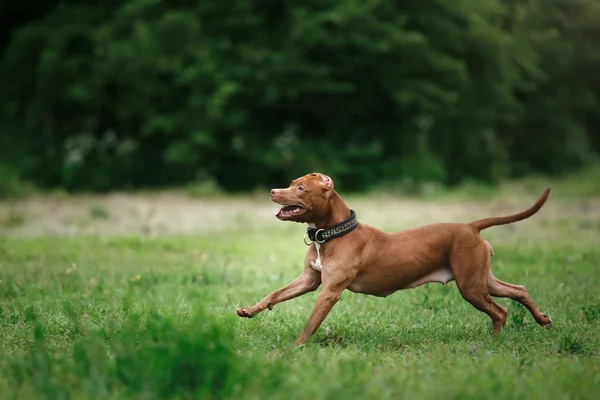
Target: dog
345 254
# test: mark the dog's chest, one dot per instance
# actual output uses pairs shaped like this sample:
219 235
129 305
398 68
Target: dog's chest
316 264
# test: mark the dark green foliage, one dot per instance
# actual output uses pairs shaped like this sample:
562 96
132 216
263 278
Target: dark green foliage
149 357
11 184
575 344
591 312
102 95
517 315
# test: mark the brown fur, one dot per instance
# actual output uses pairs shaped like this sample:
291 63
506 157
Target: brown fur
370 261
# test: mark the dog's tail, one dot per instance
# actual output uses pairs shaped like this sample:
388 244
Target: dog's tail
487 222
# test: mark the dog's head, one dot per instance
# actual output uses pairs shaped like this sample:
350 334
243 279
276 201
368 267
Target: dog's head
306 200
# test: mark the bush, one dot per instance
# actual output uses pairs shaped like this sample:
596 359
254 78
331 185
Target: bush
150 357
138 93
11 185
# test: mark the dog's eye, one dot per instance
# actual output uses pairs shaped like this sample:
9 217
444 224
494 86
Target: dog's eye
301 188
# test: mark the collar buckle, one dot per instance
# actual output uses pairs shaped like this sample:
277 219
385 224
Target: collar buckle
317 236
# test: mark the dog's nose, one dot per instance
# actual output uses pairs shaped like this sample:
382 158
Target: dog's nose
273 192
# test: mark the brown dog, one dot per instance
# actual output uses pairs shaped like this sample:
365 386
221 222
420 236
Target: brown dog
345 254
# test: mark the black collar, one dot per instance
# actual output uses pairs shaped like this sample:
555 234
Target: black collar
325 234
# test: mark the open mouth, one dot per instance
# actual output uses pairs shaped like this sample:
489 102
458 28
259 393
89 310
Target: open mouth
288 211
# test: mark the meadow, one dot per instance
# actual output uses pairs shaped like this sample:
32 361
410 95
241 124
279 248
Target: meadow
134 295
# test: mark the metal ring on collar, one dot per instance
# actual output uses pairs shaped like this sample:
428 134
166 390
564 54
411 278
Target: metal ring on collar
317 236
309 243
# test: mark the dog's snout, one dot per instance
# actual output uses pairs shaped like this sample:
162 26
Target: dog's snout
275 193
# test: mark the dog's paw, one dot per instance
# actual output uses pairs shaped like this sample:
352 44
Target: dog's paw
245 312
546 322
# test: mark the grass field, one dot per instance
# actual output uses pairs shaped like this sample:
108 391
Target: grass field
134 296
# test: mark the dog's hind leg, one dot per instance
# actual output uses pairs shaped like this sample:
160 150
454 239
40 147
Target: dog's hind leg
470 263
497 288
481 300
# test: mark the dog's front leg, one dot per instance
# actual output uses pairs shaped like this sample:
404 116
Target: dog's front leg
333 286
307 282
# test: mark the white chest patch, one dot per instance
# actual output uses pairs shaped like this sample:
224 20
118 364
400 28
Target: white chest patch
317 263
317 266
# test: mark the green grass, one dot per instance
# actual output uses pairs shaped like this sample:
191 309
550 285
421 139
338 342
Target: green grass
154 317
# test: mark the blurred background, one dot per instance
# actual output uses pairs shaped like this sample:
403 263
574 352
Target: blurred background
244 94
138 143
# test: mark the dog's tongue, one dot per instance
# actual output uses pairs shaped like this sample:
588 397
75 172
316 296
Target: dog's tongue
276 212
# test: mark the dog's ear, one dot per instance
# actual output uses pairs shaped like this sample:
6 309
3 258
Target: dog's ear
326 181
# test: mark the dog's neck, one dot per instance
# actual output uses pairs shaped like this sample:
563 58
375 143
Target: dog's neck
338 212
